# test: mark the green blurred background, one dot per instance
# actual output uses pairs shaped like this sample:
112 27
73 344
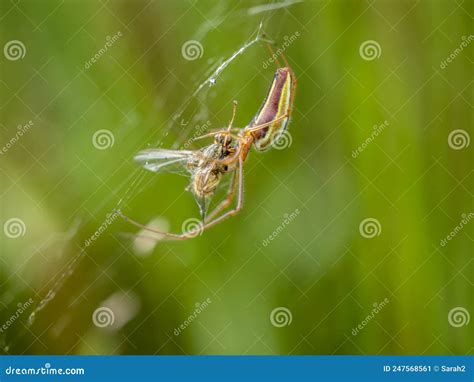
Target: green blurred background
321 267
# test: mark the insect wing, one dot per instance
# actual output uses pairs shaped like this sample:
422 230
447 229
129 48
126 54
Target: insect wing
165 160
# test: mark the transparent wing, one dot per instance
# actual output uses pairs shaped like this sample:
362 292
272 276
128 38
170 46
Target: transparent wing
165 160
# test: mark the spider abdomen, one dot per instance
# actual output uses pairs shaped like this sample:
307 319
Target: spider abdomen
276 107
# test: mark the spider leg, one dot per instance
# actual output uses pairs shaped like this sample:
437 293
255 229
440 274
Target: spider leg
227 201
247 129
193 233
230 159
270 49
234 111
261 126
171 236
240 201
216 132
222 131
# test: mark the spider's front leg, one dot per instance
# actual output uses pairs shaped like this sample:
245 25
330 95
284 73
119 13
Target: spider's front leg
225 132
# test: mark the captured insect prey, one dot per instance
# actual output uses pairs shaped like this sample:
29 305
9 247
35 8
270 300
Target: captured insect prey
226 155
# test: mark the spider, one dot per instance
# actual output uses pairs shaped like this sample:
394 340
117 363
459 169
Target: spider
226 155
